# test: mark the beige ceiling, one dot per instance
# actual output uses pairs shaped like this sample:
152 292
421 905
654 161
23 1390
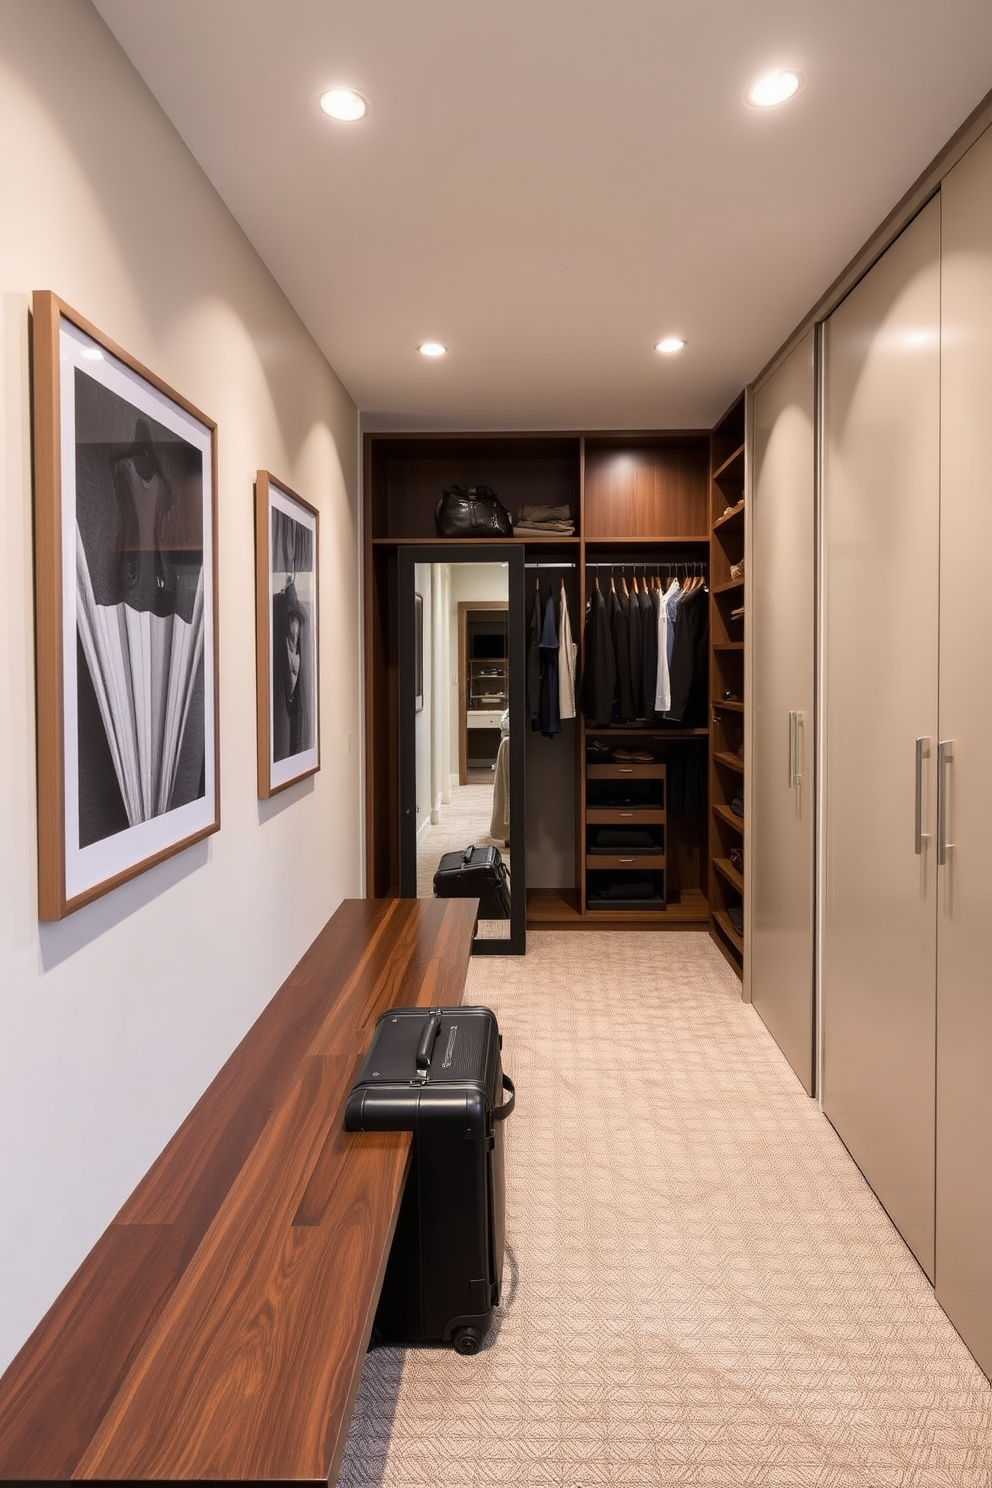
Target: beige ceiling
549 186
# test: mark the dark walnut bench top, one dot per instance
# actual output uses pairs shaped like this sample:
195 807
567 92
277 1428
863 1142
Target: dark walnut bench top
218 1327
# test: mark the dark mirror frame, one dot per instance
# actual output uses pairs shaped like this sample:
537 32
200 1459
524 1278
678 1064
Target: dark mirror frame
478 552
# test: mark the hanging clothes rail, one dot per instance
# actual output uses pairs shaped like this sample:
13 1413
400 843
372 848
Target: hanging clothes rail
549 565
646 563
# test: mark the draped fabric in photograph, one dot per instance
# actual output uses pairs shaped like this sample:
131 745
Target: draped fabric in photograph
139 614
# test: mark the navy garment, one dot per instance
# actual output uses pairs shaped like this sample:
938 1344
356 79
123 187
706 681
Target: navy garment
534 660
548 719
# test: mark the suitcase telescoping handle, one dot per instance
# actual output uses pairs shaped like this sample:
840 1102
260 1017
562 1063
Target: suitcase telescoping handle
501 1112
428 1039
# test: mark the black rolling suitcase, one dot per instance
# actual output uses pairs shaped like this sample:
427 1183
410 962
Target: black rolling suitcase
475 873
438 1073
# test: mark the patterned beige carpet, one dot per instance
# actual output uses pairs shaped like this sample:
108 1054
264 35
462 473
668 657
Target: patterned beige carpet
702 1290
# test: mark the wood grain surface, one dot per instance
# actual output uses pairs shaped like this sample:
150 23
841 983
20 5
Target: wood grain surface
218 1327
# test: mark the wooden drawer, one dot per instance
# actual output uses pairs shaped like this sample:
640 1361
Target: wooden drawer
626 816
634 861
625 770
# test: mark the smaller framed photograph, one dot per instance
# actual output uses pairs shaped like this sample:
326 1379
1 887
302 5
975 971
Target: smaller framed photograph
286 611
418 620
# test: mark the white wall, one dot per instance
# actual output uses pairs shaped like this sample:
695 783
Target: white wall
113 1022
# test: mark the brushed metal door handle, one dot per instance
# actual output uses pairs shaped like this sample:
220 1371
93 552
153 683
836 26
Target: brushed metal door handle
792 751
922 753
945 754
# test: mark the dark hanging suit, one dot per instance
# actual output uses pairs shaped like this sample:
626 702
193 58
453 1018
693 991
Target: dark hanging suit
620 631
649 640
636 657
599 680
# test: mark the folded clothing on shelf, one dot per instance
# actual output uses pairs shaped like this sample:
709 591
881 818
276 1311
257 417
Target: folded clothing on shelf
628 887
737 804
553 520
625 840
737 570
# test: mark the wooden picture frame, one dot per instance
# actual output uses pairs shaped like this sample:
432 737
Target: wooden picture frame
418 676
286 636
125 495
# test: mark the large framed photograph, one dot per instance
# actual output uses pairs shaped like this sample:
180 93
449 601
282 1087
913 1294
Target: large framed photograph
285 636
125 611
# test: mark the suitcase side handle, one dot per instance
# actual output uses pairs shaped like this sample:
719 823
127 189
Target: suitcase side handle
501 1112
428 1039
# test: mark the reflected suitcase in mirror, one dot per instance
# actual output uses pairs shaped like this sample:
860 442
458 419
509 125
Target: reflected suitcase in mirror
475 873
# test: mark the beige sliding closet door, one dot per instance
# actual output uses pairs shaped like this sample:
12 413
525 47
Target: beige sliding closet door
879 625
780 762
964 881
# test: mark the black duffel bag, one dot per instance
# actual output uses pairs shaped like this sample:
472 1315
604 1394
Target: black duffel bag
477 512
475 873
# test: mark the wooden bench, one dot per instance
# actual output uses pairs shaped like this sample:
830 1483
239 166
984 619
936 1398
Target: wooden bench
218 1328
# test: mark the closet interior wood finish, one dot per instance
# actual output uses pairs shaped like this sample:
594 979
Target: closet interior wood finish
641 503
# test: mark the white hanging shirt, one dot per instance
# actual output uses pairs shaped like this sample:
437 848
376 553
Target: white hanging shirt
666 623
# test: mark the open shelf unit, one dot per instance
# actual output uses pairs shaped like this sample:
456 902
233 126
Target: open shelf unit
728 589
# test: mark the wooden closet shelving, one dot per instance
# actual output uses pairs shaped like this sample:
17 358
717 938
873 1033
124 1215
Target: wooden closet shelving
727 661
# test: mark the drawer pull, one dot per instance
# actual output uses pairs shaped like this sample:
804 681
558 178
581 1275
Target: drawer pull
625 769
626 860
626 813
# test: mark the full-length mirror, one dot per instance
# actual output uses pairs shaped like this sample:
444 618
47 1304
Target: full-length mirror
461 695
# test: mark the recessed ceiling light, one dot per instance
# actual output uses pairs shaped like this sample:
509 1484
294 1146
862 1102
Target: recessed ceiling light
432 349
670 345
344 103
774 87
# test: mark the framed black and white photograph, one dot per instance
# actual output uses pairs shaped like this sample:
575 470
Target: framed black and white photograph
418 676
125 608
286 635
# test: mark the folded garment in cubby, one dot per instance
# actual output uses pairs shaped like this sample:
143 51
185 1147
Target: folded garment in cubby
624 839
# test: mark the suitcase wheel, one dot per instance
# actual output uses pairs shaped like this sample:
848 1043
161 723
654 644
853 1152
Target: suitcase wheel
466 1340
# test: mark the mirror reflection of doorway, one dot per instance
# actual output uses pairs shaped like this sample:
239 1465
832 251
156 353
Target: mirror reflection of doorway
456 780
483 688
